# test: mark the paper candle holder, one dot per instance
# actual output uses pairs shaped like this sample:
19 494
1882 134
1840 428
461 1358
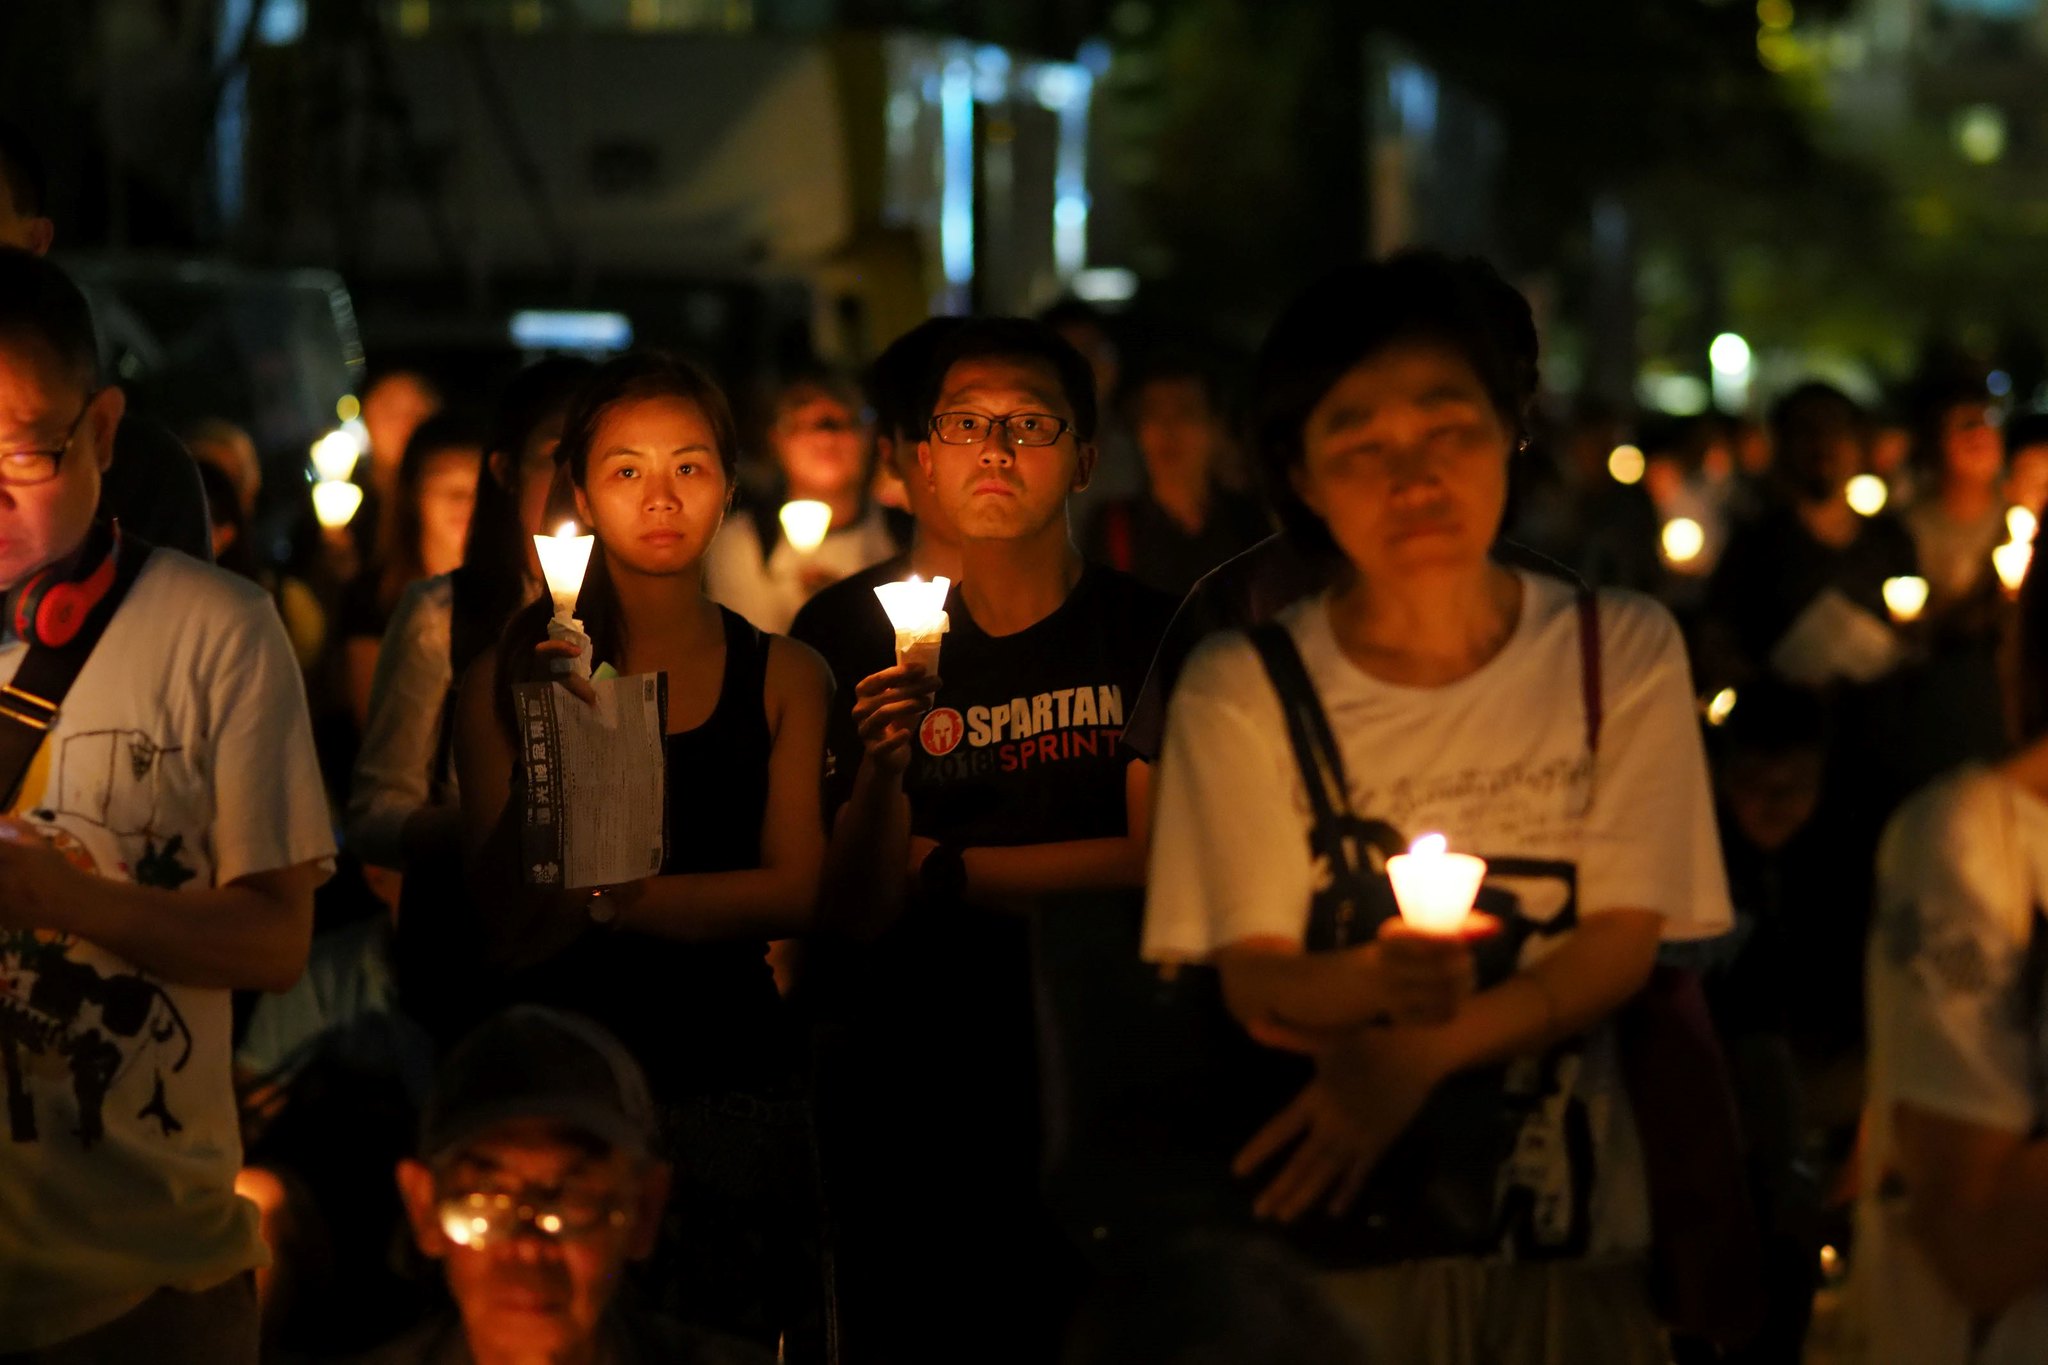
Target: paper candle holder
805 524
564 559
1434 887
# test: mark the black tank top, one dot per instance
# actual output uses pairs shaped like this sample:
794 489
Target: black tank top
700 1018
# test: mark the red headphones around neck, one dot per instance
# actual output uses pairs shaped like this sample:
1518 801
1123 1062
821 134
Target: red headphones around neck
51 608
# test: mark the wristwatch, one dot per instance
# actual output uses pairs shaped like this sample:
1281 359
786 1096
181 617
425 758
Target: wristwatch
602 908
942 876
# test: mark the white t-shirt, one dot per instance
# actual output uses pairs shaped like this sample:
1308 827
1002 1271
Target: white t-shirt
1497 762
183 758
768 588
1960 871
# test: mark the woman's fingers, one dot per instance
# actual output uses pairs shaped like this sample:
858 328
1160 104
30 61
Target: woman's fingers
1282 1129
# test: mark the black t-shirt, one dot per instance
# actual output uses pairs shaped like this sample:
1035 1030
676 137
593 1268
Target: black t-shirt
1143 539
845 623
1774 569
1023 742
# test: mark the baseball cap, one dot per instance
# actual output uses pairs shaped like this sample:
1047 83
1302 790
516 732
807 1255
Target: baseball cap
531 1062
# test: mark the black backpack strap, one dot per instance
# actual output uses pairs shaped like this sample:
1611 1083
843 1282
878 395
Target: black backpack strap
1308 727
29 704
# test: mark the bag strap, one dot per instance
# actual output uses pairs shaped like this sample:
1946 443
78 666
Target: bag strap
29 704
1590 690
1308 727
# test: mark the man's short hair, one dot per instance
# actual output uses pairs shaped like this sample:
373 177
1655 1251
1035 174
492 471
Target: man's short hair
1015 339
21 172
38 302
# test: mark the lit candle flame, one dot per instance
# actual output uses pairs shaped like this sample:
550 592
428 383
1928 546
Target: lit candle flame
1905 597
805 523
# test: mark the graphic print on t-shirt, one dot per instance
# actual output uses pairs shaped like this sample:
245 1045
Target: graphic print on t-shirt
68 1025
1542 1192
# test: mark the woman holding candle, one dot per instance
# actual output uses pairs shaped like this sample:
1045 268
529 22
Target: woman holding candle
676 964
771 557
1556 741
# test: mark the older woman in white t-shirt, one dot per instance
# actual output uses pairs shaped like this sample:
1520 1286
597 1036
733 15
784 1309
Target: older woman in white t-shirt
1951 1254
1391 403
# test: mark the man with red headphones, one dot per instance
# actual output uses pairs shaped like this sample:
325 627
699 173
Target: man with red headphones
162 830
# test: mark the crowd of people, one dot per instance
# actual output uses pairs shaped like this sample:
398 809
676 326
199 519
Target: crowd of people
1054 1002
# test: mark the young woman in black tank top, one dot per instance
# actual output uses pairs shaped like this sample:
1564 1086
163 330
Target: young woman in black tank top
676 964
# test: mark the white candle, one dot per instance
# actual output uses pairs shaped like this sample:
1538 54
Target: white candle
918 611
1684 539
2011 560
335 502
564 558
1435 888
2021 525
1906 598
1867 495
336 453
805 523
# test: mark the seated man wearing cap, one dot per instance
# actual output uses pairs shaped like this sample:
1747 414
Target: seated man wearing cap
536 1183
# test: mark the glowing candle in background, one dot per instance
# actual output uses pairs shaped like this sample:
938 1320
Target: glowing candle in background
335 502
805 524
1434 887
2012 560
1867 494
564 559
2021 525
335 455
918 611
1684 539
1906 598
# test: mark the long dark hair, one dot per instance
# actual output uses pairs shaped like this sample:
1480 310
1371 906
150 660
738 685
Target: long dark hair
631 377
491 584
400 562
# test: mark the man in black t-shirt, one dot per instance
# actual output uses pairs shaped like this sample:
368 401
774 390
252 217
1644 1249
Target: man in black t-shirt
845 622
989 800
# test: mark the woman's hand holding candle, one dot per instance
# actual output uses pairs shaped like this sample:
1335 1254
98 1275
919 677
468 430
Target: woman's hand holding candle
917 610
1425 977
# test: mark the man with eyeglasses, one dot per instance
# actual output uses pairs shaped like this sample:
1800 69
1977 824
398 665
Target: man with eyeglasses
160 850
536 1184
991 802
153 485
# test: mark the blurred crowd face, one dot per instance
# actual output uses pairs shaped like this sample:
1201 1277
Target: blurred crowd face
393 409
1178 430
1405 459
1099 350
1771 797
998 489
818 444
532 1293
654 490
228 448
896 461
46 409
536 484
20 229
1972 454
1819 460
447 497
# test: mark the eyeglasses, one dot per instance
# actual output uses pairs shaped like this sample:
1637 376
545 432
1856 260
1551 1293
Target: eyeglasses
19 468
1019 428
484 1218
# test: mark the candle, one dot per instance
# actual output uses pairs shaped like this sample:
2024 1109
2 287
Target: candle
335 454
335 502
2011 560
1721 706
805 523
1434 887
1906 598
1683 540
564 558
2020 525
918 611
1867 495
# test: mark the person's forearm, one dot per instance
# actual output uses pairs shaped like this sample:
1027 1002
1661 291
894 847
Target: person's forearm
225 938
1034 869
1279 984
718 907
1606 960
1993 1249
866 862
